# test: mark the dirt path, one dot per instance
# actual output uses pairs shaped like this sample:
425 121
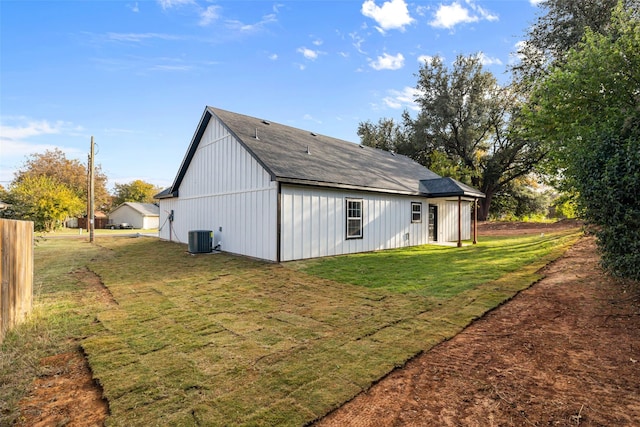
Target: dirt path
564 352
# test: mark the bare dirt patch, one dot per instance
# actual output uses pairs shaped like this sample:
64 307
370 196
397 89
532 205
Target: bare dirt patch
564 352
65 395
94 286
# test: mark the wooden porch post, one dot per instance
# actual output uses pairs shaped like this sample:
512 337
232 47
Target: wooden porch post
475 221
459 221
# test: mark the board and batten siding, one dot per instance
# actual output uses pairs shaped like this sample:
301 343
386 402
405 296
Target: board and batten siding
448 219
314 222
225 187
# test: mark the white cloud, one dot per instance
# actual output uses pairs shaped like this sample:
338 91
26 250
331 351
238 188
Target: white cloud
29 128
388 62
212 13
448 16
535 2
209 15
17 134
357 41
164 67
422 10
168 4
139 37
484 14
392 15
252 28
134 7
308 53
273 56
424 58
144 65
487 60
317 42
404 98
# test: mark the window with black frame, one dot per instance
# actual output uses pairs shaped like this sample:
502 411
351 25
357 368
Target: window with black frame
416 212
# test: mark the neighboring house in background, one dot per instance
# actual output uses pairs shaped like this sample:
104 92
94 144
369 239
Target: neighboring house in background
279 193
140 215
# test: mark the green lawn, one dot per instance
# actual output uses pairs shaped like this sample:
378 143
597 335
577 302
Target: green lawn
215 339
435 271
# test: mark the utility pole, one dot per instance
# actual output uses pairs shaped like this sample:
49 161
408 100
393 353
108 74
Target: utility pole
91 213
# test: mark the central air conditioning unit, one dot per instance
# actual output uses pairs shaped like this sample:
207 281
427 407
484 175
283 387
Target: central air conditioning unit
200 241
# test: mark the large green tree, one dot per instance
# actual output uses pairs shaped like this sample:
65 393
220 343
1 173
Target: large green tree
587 111
521 199
135 191
387 135
71 172
45 201
560 26
467 128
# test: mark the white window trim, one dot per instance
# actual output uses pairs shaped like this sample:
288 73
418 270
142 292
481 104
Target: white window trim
348 219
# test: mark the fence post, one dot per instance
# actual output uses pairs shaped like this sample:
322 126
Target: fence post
16 272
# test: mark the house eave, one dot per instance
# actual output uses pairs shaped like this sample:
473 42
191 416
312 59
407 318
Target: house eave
465 196
310 183
168 195
341 186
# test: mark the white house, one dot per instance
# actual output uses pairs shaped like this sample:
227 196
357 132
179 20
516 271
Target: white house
279 193
140 215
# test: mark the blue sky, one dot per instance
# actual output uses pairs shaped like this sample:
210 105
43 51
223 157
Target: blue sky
137 75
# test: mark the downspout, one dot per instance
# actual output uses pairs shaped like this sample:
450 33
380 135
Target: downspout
459 221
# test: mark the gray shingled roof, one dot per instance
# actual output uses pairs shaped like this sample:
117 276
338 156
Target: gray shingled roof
145 209
294 155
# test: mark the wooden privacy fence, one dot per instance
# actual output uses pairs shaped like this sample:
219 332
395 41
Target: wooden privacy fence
16 271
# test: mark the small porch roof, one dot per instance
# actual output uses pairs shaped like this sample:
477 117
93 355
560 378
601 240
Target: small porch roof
447 187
